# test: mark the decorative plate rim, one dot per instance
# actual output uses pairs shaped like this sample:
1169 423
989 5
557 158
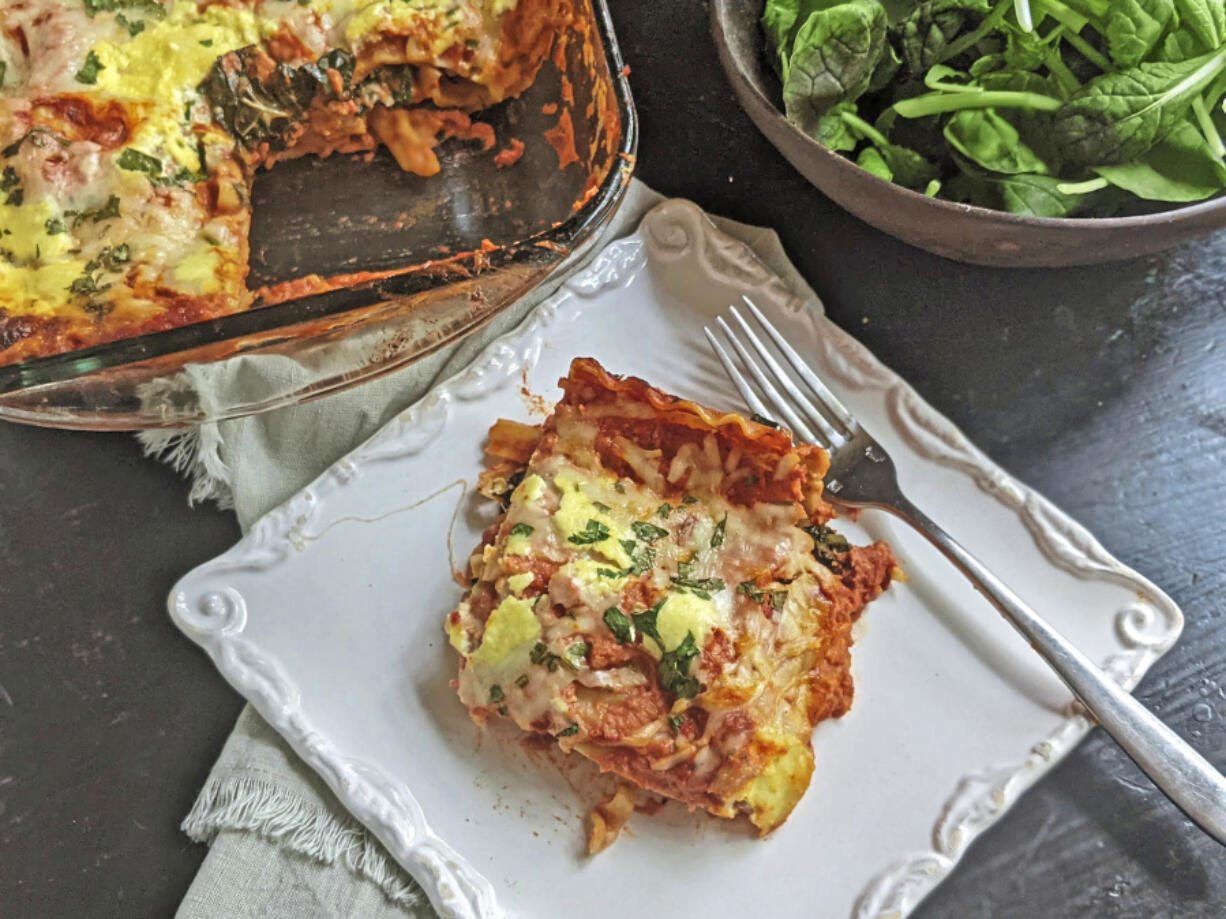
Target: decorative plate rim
215 617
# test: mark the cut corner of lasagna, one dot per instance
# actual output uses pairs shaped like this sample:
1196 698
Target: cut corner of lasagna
662 595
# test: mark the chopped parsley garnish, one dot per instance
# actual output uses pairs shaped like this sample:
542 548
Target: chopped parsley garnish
619 488
595 531
674 669
664 510
3 70
134 27
675 722
762 419
642 561
601 506
645 622
108 211
610 573
829 547
621 627
540 654
89 71
699 587
523 529
689 499
777 598
135 161
522 680
684 569
83 285
567 732
717 538
55 226
574 654
145 7
496 694
206 43
648 532
11 183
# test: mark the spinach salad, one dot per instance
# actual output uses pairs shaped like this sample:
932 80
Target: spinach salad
1048 108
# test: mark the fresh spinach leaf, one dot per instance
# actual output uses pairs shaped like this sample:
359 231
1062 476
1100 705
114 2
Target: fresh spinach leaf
1206 19
1119 116
1180 167
928 32
987 139
1135 27
871 161
836 52
832 131
906 167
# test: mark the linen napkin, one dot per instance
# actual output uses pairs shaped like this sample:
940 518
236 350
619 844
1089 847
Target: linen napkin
280 845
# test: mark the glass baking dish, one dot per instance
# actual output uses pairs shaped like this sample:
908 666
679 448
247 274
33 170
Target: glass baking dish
450 251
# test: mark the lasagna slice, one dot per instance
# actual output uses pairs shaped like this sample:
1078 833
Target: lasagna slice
663 595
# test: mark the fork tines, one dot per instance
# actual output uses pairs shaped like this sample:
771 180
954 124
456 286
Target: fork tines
799 398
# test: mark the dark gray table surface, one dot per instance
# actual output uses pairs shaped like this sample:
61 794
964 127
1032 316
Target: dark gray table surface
1103 387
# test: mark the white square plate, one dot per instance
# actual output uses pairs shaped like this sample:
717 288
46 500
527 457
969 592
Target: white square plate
328 617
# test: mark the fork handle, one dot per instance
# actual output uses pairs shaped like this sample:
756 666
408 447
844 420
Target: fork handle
1184 775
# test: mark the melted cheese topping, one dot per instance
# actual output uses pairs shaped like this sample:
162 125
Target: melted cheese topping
736 582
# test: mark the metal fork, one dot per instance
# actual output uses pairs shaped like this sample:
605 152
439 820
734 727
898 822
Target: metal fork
862 475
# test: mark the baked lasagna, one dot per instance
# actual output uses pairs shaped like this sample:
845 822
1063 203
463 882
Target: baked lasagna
663 595
130 131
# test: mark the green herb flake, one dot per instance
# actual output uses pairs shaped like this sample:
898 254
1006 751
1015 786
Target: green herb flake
135 161
568 732
674 669
702 587
576 654
540 654
664 510
3 70
496 694
829 548
645 622
601 506
689 499
610 573
522 529
621 627
134 27
751 590
648 532
717 538
55 227
675 722
763 420
619 488
89 71
522 680
594 531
